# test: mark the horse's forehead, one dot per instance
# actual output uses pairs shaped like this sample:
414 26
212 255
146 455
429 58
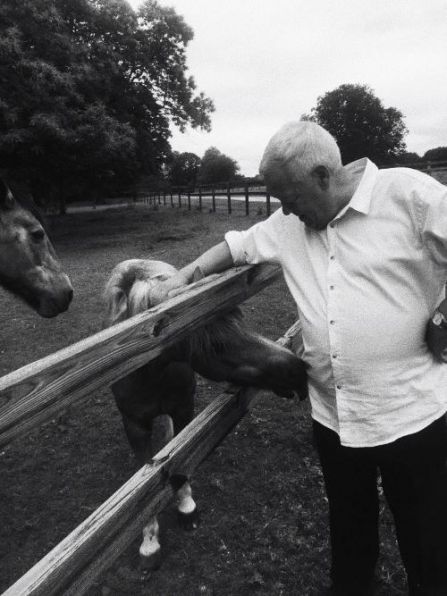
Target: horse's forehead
21 215
19 218
161 277
157 270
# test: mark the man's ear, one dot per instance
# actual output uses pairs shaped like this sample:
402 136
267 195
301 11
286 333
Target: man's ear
321 176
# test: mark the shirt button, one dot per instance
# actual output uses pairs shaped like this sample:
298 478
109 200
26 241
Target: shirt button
332 322
338 386
331 287
332 225
334 355
332 257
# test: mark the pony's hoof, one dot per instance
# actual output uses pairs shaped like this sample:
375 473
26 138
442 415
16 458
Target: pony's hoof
149 564
189 521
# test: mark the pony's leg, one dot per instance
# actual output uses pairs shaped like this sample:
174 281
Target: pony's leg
183 413
150 549
162 432
187 511
140 439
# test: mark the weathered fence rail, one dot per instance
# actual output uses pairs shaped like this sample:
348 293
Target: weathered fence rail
33 393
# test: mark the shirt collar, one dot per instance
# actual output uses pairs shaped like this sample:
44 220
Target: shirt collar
361 199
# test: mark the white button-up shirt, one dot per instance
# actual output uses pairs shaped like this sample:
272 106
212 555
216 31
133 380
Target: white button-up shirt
365 288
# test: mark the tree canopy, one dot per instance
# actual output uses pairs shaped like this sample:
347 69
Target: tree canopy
436 154
183 169
217 167
88 89
361 124
409 157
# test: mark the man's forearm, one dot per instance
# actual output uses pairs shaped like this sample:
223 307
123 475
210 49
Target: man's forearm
216 259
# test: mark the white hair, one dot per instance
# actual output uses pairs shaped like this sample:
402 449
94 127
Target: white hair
298 147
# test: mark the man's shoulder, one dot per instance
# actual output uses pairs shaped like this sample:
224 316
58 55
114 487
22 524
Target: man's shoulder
408 177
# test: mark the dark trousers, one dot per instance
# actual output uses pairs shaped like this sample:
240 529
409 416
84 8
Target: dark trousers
414 480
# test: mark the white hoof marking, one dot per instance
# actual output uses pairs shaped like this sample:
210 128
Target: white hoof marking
150 545
185 502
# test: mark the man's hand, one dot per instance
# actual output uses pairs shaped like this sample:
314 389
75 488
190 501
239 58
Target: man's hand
436 333
167 289
216 259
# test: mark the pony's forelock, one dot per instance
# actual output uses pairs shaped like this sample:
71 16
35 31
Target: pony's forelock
138 299
127 293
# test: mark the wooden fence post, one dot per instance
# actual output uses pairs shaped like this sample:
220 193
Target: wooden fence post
164 197
200 198
247 201
267 198
172 199
213 199
179 199
229 198
189 201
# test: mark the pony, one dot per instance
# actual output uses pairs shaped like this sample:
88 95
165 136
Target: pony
163 389
29 267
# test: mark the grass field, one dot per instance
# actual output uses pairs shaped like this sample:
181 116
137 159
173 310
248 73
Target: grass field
263 510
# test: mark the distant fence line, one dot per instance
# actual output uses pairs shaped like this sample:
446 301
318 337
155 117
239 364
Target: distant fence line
211 197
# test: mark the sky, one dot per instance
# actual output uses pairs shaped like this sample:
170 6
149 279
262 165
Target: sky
266 62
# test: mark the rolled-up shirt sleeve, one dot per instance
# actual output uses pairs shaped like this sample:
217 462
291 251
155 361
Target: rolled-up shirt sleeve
258 244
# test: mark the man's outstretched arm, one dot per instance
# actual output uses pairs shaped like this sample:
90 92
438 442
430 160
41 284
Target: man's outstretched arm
216 259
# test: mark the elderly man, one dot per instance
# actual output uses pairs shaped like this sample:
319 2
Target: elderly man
364 254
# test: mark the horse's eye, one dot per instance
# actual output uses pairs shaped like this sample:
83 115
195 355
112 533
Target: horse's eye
37 235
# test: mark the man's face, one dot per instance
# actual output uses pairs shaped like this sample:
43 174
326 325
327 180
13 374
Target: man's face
308 198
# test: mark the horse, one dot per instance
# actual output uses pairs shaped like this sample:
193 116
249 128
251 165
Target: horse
29 267
163 389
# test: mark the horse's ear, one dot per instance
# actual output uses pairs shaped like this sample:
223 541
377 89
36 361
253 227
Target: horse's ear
198 274
6 196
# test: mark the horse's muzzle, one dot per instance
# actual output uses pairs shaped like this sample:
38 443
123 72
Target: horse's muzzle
56 301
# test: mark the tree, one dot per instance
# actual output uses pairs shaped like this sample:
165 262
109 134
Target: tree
409 157
362 126
437 154
217 167
88 89
183 169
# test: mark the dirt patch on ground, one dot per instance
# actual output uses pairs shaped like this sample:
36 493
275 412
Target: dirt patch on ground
263 510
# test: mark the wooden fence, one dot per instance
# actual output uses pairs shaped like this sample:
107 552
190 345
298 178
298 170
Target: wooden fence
214 198
33 394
